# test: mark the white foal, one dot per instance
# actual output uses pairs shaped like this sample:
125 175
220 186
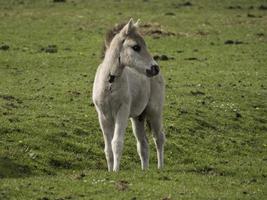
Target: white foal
128 84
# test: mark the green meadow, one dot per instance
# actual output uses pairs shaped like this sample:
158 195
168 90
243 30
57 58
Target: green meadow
213 55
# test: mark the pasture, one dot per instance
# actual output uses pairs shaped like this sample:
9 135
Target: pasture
213 56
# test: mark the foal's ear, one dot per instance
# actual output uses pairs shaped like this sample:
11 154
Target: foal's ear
136 24
127 28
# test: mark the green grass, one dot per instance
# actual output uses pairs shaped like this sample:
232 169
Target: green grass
215 114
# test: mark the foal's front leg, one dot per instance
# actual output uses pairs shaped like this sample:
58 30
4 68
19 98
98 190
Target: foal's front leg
107 127
118 138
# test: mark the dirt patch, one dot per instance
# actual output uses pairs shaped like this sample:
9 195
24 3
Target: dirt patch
163 57
202 33
79 176
4 130
262 7
233 42
164 178
122 185
238 115
59 1
250 15
74 93
204 124
10 105
11 99
170 13
13 120
183 111
4 47
181 5
50 49
253 16
166 198
191 58
157 33
155 30
80 131
57 163
260 34
43 198
7 97
234 7
197 93
205 170
192 34
11 169
211 170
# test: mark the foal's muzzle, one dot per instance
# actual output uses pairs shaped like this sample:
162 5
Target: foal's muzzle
153 71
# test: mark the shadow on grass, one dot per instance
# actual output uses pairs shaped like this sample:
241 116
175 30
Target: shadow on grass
11 169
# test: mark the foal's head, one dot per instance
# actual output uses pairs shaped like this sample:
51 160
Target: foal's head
128 48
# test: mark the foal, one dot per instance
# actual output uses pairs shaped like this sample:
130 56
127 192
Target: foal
128 84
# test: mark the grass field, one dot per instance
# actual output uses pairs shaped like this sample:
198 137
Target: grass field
215 114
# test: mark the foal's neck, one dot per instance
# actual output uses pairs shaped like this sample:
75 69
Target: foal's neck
111 64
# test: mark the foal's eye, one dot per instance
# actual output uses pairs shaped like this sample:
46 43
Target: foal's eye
136 48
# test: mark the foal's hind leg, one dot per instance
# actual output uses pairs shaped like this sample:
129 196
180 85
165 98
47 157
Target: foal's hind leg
155 122
142 143
107 128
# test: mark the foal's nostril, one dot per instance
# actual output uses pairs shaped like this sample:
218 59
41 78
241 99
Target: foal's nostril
155 69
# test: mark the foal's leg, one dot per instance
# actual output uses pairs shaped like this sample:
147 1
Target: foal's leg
155 121
142 143
118 138
107 127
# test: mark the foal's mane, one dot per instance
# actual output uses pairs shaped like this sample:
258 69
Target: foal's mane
110 35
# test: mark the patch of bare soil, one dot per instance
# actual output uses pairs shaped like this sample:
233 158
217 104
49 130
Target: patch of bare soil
50 49
253 16
155 30
234 7
233 42
4 47
262 7
170 13
11 100
185 4
122 185
162 57
59 1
